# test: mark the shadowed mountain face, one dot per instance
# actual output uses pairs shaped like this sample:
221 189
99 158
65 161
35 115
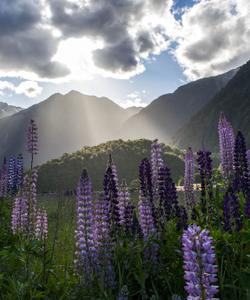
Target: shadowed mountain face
65 123
165 115
234 101
8 110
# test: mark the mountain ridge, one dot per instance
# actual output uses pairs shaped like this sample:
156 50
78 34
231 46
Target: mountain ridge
7 110
233 100
166 114
65 124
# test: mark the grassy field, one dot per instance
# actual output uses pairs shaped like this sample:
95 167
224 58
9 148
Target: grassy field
61 221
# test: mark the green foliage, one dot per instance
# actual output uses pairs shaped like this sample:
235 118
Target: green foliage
63 174
28 270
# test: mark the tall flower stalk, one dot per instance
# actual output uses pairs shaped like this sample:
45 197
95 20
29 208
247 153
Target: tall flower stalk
4 179
103 243
148 228
32 141
29 192
231 212
226 142
241 173
146 185
205 168
125 207
241 177
248 159
84 227
156 163
20 171
41 231
12 174
19 216
146 218
169 206
199 264
110 186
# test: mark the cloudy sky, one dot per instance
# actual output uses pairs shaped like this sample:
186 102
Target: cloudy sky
129 50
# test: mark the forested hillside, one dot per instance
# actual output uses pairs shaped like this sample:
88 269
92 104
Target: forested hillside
63 174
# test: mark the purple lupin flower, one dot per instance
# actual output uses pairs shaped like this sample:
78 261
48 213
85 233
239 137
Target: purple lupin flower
12 174
32 140
4 179
102 242
110 186
20 172
189 179
248 159
33 196
101 226
169 205
199 264
205 168
41 230
226 142
231 212
125 207
29 191
156 163
241 178
148 227
19 216
84 225
241 182
146 218
146 186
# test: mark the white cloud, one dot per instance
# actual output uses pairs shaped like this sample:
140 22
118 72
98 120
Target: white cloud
213 37
6 85
30 89
135 98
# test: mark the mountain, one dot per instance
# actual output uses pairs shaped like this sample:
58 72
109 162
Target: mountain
68 122
63 173
233 100
168 113
65 122
8 110
133 110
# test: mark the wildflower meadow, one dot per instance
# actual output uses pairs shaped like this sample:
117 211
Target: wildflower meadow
120 244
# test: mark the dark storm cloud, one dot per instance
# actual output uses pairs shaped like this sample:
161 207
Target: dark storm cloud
16 16
144 41
205 50
120 57
110 20
27 42
25 45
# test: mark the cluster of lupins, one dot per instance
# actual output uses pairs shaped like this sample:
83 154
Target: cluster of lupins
101 219
11 175
27 219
